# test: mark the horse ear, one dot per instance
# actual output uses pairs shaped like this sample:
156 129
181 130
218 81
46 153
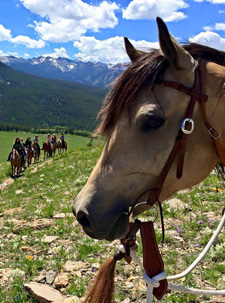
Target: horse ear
133 53
172 50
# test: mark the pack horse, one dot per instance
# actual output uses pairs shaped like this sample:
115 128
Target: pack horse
165 130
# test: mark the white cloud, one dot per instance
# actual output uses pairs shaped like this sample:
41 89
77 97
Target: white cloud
5 34
150 9
111 50
28 42
26 56
63 30
217 27
2 54
208 28
58 52
67 20
209 38
211 1
220 26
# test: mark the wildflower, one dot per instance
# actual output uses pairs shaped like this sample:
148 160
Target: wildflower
179 230
219 190
199 222
56 256
71 194
197 245
29 257
22 220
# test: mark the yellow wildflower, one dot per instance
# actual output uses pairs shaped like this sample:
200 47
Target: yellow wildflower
29 257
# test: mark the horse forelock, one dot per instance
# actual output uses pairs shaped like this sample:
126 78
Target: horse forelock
144 74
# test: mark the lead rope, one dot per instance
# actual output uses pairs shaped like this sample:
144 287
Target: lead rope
154 282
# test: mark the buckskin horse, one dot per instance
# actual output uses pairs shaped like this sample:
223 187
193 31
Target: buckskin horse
165 130
16 163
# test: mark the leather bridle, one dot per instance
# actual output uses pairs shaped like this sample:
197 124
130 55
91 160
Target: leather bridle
197 92
152 260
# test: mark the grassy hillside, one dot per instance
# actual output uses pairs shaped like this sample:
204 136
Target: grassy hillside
28 210
38 102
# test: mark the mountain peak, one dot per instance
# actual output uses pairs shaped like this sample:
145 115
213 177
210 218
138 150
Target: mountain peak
89 73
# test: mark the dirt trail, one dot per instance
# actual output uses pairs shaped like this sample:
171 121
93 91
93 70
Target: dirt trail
8 181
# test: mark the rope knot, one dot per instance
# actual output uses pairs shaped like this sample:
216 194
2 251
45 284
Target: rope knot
153 282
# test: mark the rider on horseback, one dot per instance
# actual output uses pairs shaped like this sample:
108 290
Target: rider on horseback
54 140
36 139
23 150
49 141
62 138
28 144
18 147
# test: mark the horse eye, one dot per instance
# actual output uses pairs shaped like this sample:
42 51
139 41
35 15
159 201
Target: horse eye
152 122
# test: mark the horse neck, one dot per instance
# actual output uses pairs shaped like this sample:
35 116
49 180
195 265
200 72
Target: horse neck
216 103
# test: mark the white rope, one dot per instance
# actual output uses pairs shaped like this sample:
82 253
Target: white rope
195 291
203 253
154 281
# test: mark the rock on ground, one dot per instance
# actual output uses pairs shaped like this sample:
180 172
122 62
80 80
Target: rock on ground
44 293
175 204
73 299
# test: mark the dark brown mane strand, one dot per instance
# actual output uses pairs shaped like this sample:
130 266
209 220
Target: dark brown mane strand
143 74
205 52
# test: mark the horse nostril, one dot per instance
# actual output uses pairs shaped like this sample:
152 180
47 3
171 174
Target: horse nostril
83 220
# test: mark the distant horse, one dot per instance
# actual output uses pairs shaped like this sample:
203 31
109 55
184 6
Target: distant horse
29 156
36 153
61 147
16 163
54 146
47 149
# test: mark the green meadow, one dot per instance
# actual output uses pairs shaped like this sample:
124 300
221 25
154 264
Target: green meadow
7 139
39 204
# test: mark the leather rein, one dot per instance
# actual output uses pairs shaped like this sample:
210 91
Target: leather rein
197 92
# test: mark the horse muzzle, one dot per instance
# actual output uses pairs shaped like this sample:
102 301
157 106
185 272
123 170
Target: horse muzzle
99 225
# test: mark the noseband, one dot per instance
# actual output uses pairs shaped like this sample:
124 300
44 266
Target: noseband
197 92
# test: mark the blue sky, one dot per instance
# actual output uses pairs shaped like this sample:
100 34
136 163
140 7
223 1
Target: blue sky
93 30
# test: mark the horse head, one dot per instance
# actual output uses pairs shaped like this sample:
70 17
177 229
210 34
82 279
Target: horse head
141 118
14 154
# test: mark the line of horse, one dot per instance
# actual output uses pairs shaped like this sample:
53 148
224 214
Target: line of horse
49 151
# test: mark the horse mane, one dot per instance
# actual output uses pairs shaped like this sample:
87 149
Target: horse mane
144 74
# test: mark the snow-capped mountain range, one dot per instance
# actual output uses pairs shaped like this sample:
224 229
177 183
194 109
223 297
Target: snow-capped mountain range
89 73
